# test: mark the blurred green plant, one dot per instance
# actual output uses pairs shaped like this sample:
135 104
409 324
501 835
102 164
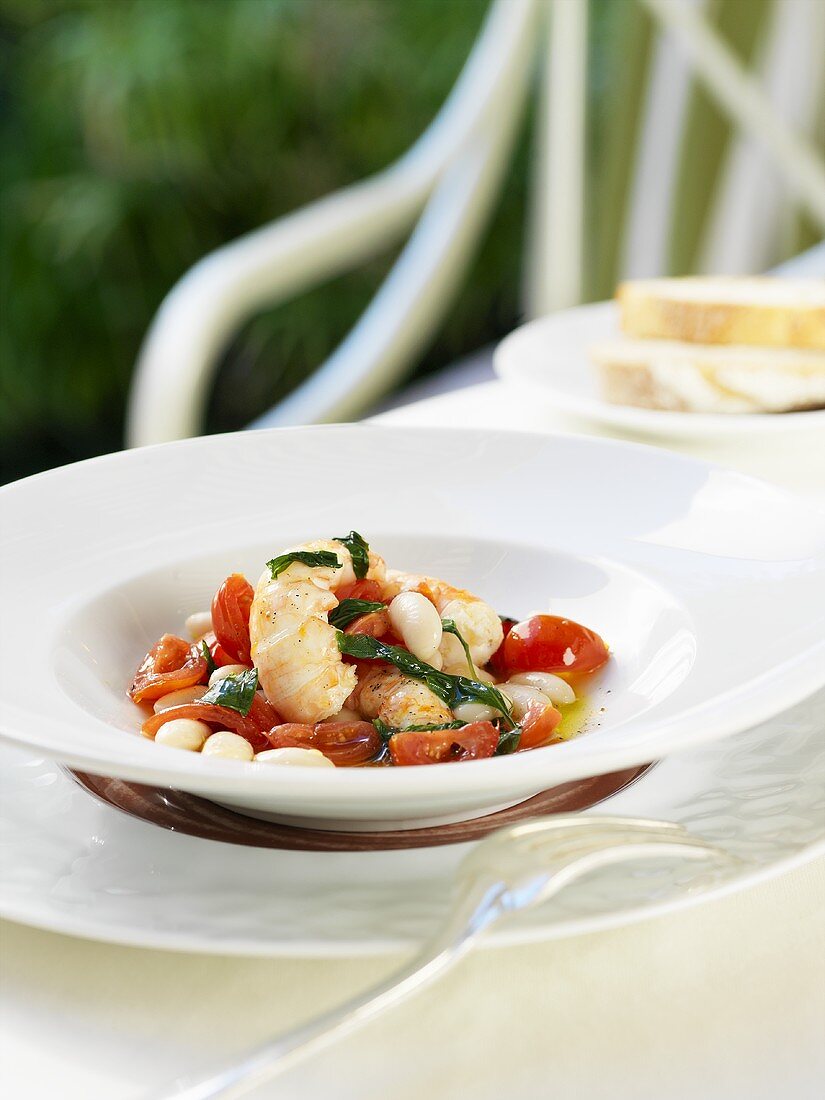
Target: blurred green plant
139 134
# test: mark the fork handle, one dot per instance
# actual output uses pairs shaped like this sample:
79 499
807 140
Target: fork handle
480 903
473 911
273 1058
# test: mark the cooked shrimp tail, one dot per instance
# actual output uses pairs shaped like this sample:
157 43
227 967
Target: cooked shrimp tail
299 665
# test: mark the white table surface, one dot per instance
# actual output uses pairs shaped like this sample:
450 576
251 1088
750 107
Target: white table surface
724 1000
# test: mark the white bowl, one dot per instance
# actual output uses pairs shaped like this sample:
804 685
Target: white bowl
708 586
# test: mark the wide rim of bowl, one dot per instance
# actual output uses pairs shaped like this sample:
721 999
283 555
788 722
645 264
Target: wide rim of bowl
745 773
755 700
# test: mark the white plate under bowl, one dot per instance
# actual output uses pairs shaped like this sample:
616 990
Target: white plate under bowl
72 864
549 357
708 586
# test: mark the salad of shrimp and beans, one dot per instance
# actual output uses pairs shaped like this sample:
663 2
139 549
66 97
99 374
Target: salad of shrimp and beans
336 660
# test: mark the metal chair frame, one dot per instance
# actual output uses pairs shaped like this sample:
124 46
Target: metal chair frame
448 182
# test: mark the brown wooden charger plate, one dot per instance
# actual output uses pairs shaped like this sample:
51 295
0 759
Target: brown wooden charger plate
187 813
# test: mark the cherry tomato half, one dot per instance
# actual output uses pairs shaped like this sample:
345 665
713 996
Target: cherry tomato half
220 717
360 590
218 653
496 663
474 741
345 743
547 643
170 664
538 726
262 714
230 616
374 623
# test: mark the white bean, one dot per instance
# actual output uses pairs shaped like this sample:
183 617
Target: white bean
223 671
462 668
522 696
178 698
417 621
475 712
453 656
198 624
556 689
311 758
228 746
183 733
502 690
482 675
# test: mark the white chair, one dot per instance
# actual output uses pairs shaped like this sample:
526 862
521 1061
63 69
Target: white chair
449 181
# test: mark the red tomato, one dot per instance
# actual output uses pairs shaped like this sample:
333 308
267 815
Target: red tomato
345 743
172 663
375 623
230 616
361 590
289 735
538 726
496 663
472 742
547 643
262 714
219 654
220 717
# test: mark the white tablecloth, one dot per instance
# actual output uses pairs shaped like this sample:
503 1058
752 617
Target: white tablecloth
725 1000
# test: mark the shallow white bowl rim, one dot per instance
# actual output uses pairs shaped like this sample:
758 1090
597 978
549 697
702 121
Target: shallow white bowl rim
749 702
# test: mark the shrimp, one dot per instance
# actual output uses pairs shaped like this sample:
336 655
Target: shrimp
397 700
477 622
293 645
401 701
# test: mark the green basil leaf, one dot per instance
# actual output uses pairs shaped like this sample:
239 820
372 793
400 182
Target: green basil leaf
452 690
508 741
234 692
384 731
348 611
465 690
432 727
306 557
449 627
359 551
389 731
210 660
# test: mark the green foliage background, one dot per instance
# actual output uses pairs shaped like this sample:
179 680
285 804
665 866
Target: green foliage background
137 135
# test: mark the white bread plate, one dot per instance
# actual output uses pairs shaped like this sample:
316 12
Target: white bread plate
552 358
708 586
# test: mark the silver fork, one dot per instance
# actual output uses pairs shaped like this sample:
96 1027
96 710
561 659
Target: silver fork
511 870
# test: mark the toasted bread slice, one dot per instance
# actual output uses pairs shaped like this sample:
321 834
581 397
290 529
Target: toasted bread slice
762 312
665 374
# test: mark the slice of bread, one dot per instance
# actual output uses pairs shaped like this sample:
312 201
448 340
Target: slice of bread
762 311
682 377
